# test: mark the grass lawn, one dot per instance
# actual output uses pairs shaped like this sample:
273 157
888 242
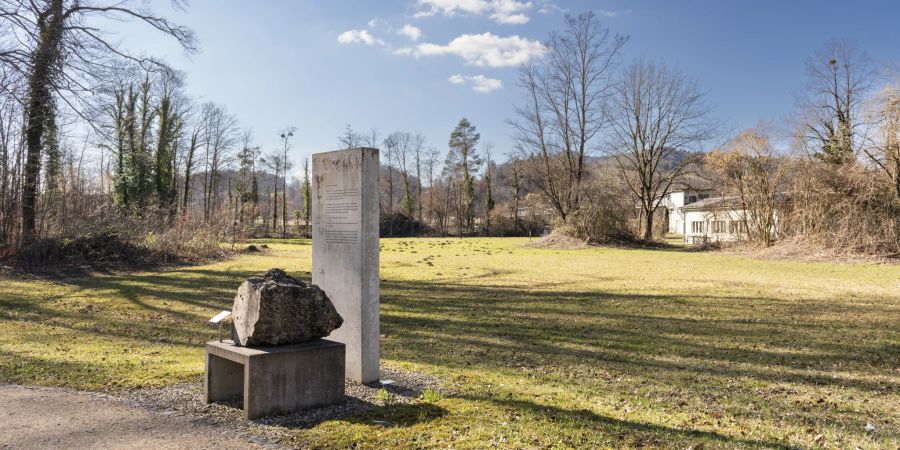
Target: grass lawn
543 348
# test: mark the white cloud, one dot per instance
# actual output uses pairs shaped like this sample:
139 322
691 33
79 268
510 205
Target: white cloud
510 12
479 83
506 12
359 37
373 22
606 13
486 50
510 19
403 51
548 7
411 32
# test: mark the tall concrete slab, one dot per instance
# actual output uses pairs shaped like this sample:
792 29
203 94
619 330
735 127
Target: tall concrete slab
345 251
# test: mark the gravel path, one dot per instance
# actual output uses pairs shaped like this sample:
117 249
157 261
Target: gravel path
172 417
39 418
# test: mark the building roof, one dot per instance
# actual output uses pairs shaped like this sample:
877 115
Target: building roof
728 202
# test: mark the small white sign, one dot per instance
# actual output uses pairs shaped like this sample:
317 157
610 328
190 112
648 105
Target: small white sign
220 317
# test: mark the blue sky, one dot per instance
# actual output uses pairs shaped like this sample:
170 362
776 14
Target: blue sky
319 65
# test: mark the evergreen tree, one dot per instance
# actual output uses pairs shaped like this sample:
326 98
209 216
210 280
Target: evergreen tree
463 159
163 170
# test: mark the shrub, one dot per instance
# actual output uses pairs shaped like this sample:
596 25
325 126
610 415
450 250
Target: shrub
603 214
843 209
400 225
130 243
185 240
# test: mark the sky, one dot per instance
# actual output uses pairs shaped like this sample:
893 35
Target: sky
421 65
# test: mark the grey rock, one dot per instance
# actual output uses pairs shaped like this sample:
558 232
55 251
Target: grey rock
278 309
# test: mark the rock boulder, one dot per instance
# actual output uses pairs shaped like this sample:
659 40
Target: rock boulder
278 309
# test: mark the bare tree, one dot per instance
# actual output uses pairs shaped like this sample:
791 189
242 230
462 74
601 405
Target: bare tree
839 76
489 203
307 198
431 158
371 139
400 145
221 135
11 152
350 138
656 114
883 147
286 136
749 167
516 184
418 148
59 50
201 121
274 163
390 152
565 108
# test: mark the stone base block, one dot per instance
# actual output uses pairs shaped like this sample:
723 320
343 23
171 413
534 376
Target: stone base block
275 380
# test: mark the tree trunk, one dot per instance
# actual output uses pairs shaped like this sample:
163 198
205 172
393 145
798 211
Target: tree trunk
275 205
648 225
46 56
187 174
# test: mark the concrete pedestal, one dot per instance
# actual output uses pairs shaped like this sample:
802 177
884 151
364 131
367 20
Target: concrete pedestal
275 380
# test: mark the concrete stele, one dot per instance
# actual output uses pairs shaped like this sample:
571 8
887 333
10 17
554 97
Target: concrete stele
345 251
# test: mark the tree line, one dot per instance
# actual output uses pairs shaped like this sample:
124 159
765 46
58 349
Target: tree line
93 135
598 143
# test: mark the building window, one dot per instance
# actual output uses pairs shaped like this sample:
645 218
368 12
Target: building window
718 226
692 199
735 227
696 227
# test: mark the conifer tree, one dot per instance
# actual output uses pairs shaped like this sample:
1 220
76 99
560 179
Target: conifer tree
463 159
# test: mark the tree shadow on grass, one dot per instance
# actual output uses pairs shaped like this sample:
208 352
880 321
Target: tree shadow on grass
628 433
575 324
169 307
355 410
400 415
733 345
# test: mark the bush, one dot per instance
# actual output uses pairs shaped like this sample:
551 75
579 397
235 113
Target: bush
603 215
95 249
503 223
843 209
132 243
185 241
401 225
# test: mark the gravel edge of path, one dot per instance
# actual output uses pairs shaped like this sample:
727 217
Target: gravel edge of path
187 399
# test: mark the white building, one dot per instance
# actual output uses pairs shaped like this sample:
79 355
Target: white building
702 218
675 202
714 219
